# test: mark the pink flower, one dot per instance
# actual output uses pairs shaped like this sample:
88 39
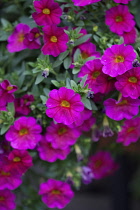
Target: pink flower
22 105
129 83
9 179
93 69
102 164
130 37
55 40
118 59
19 161
6 93
61 136
32 40
87 124
84 2
122 1
16 39
124 108
7 200
24 134
130 132
48 153
64 106
48 12
56 193
119 19
106 82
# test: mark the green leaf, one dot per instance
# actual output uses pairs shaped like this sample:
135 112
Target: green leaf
63 55
11 108
94 107
68 83
83 80
82 39
44 99
4 129
55 83
75 70
67 62
86 103
39 79
57 63
74 85
76 55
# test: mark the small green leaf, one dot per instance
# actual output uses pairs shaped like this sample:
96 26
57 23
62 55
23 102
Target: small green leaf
68 83
67 62
55 83
63 55
44 99
4 129
75 70
83 80
39 79
82 39
86 103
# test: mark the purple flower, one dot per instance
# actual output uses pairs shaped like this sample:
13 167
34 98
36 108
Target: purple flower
84 2
16 39
64 105
6 93
48 153
61 136
48 12
118 59
87 175
56 193
124 108
7 200
119 19
32 40
24 134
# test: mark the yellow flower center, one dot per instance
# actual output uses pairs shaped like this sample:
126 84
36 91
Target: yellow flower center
53 39
65 104
129 130
119 59
46 11
98 163
3 173
17 159
62 131
84 55
96 74
9 88
23 131
37 35
123 102
21 37
2 198
55 192
132 79
119 19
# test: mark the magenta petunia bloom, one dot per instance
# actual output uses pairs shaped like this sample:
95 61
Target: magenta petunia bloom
64 106
130 132
9 179
102 164
93 69
55 40
24 134
119 19
84 2
19 160
7 200
87 124
56 193
48 153
16 39
129 83
106 82
32 39
61 136
22 105
122 1
130 37
124 108
48 12
118 59
6 92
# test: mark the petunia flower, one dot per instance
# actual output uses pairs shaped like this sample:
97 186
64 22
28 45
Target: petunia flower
32 39
64 106
6 93
84 2
119 19
122 1
130 37
118 59
56 193
24 134
124 108
16 39
55 40
7 200
129 83
47 12
61 136
102 164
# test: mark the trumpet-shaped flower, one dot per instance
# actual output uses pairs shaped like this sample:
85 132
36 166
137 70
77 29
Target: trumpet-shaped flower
84 2
7 200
